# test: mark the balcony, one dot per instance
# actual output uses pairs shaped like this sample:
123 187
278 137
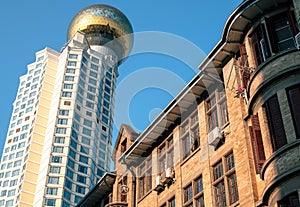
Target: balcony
267 78
281 171
117 204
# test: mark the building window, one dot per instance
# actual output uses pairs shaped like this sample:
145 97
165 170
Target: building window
193 194
90 97
291 200
83 159
72 153
49 202
66 94
257 144
60 140
276 128
93 81
171 202
86 131
81 179
166 156
82 169
15 173
17 163
51 191
77 199
95 60
71 163
188 193
67 195
124 145
69 78
225 184
69 174
294 101
89 105
92 89
53 180
73 56
68 184
80 189
84 150
67 103
62 121
56 159
93 74
217 114
54 169
61 130
9 203
68 86
71 63
70 70
189 134
94 67
281 31
145 177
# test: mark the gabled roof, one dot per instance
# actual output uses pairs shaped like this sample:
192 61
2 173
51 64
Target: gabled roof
127 128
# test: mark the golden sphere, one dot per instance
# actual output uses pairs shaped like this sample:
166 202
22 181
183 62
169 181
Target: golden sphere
103 23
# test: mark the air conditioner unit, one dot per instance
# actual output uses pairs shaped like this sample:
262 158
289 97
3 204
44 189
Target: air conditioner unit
214 136
169 172
159 186
158 180
297 40
168 180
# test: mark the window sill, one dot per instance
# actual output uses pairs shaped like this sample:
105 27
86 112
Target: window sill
187 203
237 203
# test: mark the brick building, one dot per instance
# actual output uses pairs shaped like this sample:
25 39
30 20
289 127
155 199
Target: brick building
231 136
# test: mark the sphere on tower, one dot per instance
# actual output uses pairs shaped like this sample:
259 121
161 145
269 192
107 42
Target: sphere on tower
104 25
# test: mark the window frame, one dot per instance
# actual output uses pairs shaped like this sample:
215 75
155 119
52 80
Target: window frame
215 105
276 129
221 181
293 100
194 195
166 156
263 40
190 134
145 177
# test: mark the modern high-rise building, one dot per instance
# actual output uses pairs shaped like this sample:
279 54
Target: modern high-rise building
59 139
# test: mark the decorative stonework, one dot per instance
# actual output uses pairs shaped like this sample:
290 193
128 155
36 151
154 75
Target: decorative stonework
286 160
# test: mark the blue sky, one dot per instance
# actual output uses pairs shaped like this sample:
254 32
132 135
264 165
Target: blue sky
151 77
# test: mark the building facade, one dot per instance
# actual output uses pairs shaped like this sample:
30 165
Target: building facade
59 139
231 137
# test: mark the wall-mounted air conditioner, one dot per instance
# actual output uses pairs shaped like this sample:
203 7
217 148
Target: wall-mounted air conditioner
169 172
158 180
297 40
214 136
159 186
169 176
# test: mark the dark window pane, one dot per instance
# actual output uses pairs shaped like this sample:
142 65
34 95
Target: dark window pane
294 100
277 132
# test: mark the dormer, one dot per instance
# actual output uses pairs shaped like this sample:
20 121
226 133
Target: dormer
125 138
